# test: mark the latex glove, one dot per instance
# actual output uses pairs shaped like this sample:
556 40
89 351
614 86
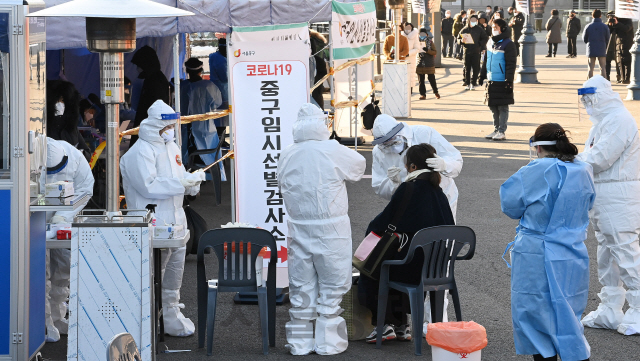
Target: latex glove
58 219
197 176
393 174
187 183
438 164
192 191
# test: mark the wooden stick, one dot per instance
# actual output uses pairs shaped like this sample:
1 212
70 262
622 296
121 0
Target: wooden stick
229 154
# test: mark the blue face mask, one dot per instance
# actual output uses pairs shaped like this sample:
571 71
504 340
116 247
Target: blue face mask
423 38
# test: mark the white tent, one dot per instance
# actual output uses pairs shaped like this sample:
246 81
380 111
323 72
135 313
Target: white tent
210 15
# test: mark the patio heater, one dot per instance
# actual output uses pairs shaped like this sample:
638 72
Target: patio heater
111 32
396 87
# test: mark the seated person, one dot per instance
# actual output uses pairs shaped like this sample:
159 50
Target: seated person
428 207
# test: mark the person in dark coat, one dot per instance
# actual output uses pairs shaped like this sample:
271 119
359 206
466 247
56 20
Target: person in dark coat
596 36
219 75
446 29
624 42
516 23
426 65
63 113
573 29
155 85
318 42
554 30
427 207
499 70
472 51
611 46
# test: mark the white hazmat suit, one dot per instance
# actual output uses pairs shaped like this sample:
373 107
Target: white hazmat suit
311 175
613 150
388 169
152 173
64 163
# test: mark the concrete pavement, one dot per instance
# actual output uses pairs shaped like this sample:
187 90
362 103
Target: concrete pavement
484 281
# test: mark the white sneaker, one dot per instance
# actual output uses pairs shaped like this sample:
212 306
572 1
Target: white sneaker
403 333
472 87
491 135
468 87
387 334
499 136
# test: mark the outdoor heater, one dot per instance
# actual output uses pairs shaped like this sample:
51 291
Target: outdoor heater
396 87
111 32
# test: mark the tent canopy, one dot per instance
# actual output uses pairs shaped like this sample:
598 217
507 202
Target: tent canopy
210 15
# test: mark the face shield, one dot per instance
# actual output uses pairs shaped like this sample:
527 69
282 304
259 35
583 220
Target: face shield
396 145
587 100
533 146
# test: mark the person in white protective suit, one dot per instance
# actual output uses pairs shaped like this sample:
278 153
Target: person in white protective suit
311 175
391 141
613 150
64 163
152 173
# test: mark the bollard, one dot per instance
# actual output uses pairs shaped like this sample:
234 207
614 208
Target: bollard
634 87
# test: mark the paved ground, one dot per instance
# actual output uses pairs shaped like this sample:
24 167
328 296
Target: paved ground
484 281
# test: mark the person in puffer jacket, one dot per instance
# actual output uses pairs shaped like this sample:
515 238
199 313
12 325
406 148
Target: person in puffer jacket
499 70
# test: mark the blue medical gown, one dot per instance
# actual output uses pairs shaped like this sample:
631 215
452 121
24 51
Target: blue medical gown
219 75
198 98
550 263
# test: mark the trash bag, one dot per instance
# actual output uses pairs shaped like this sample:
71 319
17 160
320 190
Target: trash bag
197 226
370 113
457 337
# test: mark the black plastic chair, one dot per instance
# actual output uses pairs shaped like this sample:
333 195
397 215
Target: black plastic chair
237 274
216 176
440 246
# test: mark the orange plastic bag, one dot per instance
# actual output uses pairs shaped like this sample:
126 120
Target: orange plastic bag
457 337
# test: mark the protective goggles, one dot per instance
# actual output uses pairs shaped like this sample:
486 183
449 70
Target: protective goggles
587 99
170 116
393 142
533 146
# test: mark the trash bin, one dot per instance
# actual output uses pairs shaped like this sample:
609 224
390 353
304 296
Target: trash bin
456 340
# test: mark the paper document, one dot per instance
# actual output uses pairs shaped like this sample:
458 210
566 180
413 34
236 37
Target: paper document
467 39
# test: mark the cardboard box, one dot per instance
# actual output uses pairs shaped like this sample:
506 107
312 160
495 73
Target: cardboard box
58 189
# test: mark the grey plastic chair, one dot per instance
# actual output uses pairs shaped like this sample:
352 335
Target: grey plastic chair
440 246
122 347
237 274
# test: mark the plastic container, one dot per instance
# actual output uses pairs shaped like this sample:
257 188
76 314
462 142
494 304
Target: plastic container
440 354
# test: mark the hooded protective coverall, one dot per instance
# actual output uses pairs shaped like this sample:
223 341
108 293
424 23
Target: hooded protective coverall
73 168
416 134
550 274
152 173
311 175
613 150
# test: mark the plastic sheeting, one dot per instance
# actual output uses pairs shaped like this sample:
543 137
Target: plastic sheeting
212 15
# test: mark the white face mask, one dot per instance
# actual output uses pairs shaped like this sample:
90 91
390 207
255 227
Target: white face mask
448 15
473 23
168 135
495 32
407 31
589 109
59 108
488 10
497 16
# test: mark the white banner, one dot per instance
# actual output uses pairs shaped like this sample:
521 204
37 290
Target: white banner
353 29
523 6
628 9
342 83
269 79
417 6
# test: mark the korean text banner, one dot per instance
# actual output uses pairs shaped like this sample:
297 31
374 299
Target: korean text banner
268 66
523 6
353 29
628 9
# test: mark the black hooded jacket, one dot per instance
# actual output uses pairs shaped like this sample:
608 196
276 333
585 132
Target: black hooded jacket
155 86
65 126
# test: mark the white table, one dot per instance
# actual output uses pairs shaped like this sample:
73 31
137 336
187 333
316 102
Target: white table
158 243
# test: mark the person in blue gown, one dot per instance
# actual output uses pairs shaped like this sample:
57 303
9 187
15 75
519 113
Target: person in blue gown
551 196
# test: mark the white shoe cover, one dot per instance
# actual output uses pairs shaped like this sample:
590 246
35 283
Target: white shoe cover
62 326
175 324
631 321
331 335
609 313
427 311
300 339
52 333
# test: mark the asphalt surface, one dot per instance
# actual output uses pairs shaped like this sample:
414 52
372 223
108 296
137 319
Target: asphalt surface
484 281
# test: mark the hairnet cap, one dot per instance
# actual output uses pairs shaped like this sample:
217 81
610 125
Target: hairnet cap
310 111
385 127
55 153
160 108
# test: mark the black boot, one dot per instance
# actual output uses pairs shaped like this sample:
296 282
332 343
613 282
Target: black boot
540 358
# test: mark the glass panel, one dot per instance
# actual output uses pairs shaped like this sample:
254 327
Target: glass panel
37 95
5 130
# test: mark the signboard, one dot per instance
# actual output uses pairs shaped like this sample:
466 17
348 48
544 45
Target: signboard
353 29
269 79
628 9
523 6
417 6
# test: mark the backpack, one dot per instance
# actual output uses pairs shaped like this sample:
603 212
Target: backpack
370 113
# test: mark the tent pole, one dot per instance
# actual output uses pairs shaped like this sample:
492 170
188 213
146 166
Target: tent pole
176 82
231 135
331 87
355 140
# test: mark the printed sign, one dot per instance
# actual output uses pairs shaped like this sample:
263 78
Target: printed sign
523 6
353 29
269 79
628 9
